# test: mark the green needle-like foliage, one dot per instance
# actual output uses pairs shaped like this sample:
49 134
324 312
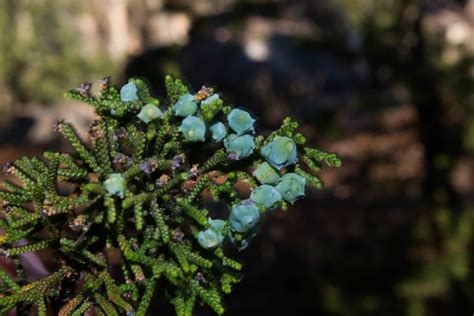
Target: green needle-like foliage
139 189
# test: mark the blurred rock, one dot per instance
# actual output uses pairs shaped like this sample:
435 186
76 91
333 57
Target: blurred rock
33 123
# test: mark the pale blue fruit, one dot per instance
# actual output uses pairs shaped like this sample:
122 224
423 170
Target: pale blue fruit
193 129
218 131
208 238
149 113
244 217
185 106
241 146
240 121
128 92
266 196
266 174
291 187
280 152
213 98
115 184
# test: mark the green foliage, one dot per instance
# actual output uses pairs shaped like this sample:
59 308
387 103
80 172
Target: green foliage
140 189
42 50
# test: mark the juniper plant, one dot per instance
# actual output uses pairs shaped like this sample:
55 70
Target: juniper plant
141 189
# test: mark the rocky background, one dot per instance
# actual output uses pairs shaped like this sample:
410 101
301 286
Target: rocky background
389 85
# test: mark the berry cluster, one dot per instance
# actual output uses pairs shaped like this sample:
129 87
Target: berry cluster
143 190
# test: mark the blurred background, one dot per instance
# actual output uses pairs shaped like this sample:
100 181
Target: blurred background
389 85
